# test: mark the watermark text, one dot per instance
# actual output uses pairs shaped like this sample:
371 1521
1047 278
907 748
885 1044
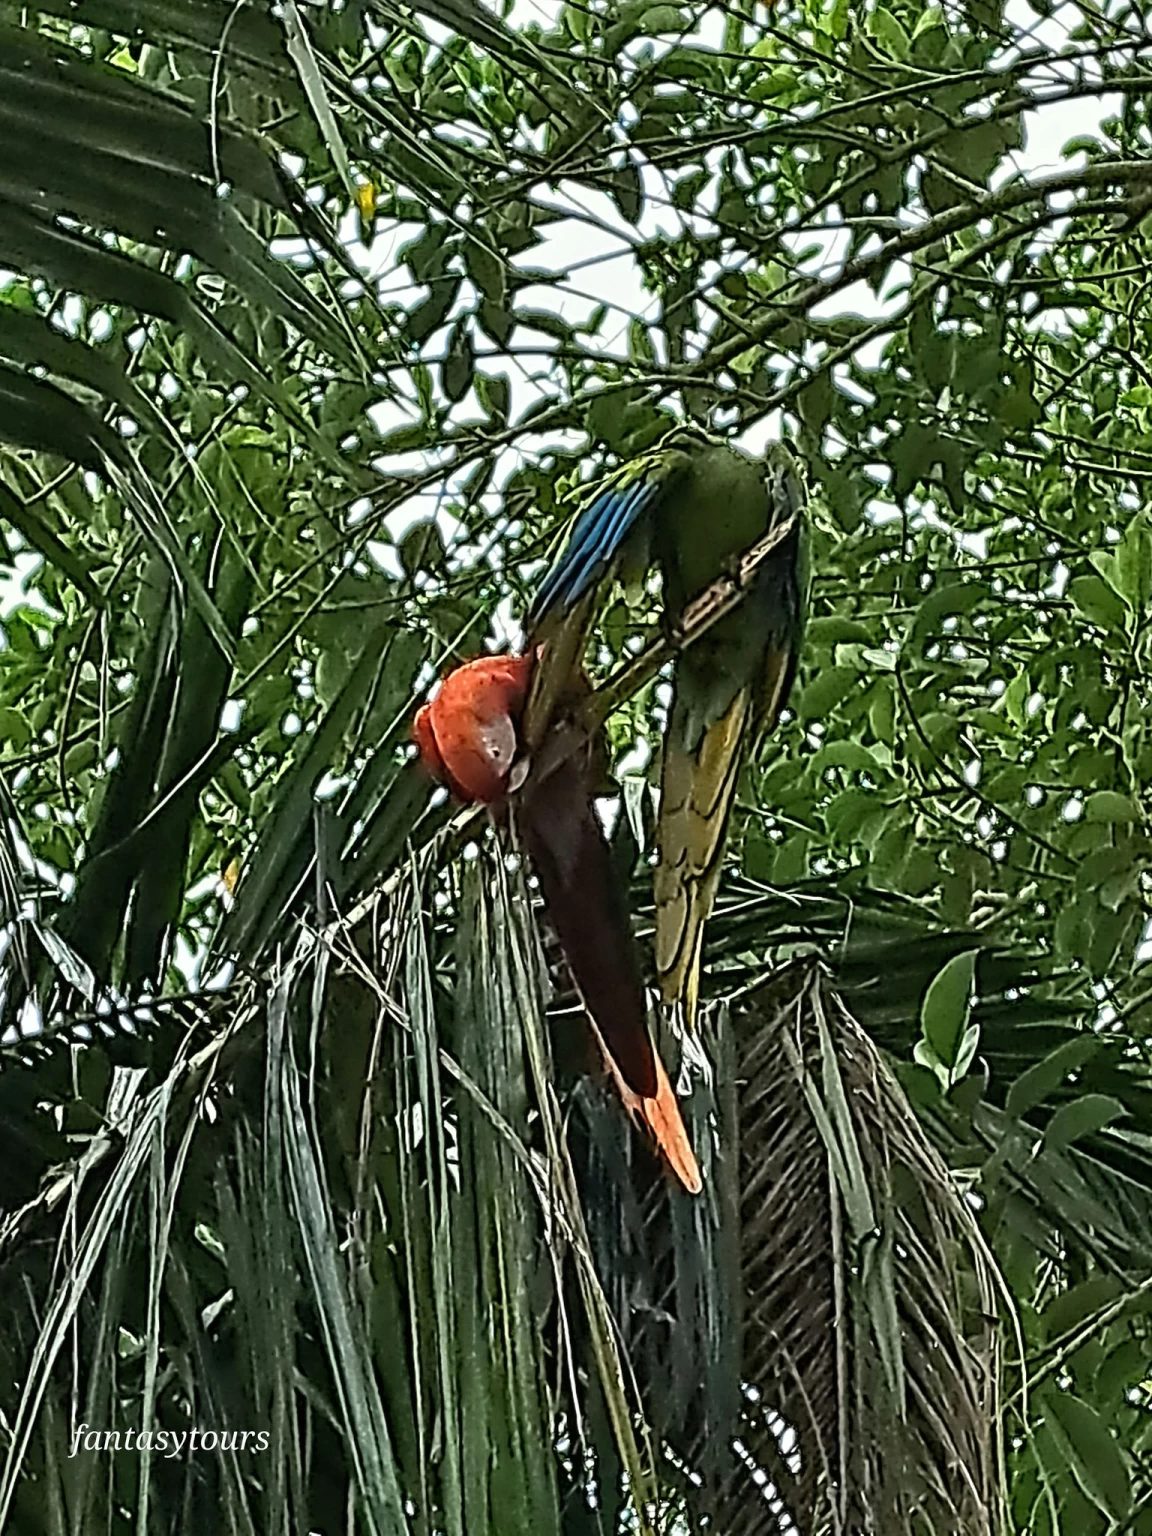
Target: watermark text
168 1442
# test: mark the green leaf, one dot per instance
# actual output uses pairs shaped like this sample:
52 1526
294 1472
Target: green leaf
400 76
849 811
1111 933
494 393
1039 1081
661 18
301 52
421 549
497 322
405 439
1015 697
945 1010
431 312
1124 1367
889 33
965 1056
578 20
428 255
459 365
1092 1454
1108 806
343 1319
1069 1309
837 19
1098 603
486 268
285 836
851 755
837 629
640 348
14 731
626 188
1105 561
551 325
930 18
828 689
1084 1117
816 402
943 602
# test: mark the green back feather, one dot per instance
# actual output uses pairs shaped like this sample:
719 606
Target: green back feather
718 506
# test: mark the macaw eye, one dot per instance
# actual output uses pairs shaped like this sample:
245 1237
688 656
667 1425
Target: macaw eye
497 738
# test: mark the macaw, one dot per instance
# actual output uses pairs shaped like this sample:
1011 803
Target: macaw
469 738
694 505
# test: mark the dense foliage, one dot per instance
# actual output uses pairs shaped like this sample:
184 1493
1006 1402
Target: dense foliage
311 318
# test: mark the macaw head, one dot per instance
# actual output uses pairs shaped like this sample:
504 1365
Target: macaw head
468 734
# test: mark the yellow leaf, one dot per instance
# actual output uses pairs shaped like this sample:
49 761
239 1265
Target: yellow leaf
366 209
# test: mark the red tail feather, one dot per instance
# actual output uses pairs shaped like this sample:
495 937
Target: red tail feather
660 1116
566 844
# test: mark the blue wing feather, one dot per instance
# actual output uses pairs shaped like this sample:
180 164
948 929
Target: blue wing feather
598 535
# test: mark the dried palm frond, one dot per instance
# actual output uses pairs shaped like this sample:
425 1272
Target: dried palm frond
870 1336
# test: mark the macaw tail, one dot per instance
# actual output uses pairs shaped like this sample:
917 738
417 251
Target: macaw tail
571 859
660 1117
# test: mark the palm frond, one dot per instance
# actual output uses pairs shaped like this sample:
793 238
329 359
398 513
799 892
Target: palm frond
871 1304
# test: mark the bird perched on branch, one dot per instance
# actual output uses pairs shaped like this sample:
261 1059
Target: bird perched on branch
469 737
694 505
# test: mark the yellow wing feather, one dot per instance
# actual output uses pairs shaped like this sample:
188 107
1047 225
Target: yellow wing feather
697 789
696 794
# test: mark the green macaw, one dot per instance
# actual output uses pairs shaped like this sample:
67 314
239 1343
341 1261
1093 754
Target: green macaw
694 504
